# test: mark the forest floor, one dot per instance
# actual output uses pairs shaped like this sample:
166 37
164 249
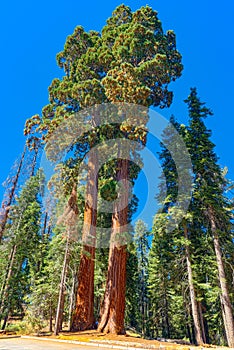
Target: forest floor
128 340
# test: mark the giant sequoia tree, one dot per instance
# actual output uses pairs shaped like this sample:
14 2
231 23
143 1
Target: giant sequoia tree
181 285
131 61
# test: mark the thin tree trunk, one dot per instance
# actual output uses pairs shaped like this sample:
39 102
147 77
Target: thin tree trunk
143 302
166 316
4 292
6 206
51 317
71 302
194 305
189 335
70 216
7 277
224 297
43 234
61 299
5 287
187 309
112 318
202 322
6 284
5 321
84 313
34 161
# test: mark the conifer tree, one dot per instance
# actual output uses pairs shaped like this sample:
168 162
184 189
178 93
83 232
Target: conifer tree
167 316
131 79
70 219
131 61
180 236
141 238
209 188
6 205
23 237
133 319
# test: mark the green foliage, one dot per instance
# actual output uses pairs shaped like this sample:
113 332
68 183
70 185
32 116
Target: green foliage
141 239
131 60
168 280
22 247
132 313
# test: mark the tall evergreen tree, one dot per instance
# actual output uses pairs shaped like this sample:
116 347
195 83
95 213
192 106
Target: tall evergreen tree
209 192
6 205
133 319
23 245
117 65
168 304
70 219
141 238
131 38
170 192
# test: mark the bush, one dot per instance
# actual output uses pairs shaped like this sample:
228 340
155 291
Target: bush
21 327
12 327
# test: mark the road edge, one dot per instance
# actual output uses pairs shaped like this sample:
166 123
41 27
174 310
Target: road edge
100 345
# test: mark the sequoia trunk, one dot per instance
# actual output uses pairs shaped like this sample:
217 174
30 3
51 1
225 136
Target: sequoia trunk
84 313
112 317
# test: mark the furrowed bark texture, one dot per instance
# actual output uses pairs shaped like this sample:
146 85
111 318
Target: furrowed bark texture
113 308
84 313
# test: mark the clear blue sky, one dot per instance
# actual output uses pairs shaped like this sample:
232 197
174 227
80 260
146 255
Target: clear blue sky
33 32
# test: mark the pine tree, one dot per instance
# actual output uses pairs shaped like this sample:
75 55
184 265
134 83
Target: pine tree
70 219
141 238
23 237
133 319
209 188
181 235
160 279
6 205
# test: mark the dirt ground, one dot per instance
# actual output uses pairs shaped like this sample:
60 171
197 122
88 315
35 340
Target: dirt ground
95 336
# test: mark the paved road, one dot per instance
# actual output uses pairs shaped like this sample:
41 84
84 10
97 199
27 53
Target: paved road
29 344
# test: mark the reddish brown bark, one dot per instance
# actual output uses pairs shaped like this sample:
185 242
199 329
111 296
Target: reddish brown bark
113 308
84 313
